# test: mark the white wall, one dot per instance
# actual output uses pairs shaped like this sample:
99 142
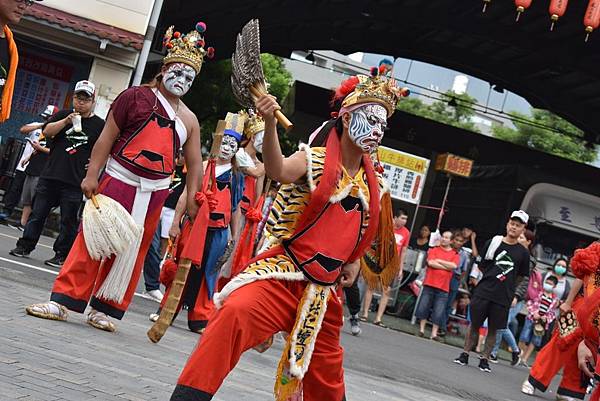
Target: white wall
131 15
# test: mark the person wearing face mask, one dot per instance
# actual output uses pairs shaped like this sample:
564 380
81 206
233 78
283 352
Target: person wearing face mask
540 314
326 215
145 127
223 224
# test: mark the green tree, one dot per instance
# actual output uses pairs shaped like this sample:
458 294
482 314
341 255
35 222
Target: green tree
211 97
560 138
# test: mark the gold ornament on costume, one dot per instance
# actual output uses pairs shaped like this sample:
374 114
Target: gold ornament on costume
254 123
236 122
188 49
376 89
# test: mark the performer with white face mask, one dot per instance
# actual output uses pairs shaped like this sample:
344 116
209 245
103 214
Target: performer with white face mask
145 127
202 281
327 213
254 178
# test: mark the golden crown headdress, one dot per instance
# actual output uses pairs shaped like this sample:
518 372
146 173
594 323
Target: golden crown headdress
378 89
234 124
254 123
187 49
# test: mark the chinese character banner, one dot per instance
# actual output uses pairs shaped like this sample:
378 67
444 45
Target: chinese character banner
404 173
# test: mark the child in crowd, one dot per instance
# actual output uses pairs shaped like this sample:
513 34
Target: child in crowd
540 316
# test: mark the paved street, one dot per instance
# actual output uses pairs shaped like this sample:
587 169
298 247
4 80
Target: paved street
46 360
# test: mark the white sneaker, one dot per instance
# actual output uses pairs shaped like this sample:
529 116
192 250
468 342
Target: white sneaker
527 388
155 295
153 317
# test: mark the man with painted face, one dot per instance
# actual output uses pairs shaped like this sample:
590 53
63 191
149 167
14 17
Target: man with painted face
327 213
145 127
201 283
254 173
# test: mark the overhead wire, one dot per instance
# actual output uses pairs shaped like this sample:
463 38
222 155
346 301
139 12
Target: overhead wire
472 104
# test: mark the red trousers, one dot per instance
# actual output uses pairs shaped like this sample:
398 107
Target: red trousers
195 295
249 316
550 360
81 276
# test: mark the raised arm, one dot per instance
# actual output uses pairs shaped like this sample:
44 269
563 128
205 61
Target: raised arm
277 167
52 129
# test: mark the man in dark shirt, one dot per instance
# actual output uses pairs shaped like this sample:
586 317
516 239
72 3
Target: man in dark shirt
504 262
74 133
11 12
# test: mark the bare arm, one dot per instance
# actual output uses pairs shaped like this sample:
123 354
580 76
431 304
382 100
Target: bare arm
193 159
99 156
179 211
402 255
257 171
349 271
277 167
28 128
52 129
474 245
447 265
568 304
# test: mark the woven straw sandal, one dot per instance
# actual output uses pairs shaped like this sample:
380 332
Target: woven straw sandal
46 311
100 321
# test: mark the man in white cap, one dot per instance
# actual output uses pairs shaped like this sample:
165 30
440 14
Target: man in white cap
504 263
74 133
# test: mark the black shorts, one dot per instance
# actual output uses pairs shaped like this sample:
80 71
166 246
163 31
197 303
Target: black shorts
496 314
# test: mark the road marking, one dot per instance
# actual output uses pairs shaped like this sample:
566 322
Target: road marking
13 237
43 269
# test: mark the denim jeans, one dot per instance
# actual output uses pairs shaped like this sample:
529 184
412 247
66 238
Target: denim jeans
50 194
527 335
152 263
454 285
508 334
432 303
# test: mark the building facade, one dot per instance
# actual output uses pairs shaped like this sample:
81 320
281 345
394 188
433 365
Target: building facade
63 42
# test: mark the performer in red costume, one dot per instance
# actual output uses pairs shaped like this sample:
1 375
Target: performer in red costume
557 355
575 342
145 127
202 280
329 192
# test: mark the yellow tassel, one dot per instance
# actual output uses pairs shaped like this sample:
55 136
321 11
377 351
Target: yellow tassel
287 387
381 263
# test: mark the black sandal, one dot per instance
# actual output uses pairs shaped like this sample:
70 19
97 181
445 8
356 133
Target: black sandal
380 324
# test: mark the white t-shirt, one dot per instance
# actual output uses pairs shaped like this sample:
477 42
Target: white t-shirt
243 159
33 136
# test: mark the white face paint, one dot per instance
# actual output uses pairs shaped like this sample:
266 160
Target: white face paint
229 147
178 78
258 141
367 124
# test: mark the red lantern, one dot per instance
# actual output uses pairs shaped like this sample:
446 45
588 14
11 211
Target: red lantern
522 5
557 9
485 4
591 20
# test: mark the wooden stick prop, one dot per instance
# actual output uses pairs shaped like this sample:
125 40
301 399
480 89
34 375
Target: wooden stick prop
194 246
247 77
